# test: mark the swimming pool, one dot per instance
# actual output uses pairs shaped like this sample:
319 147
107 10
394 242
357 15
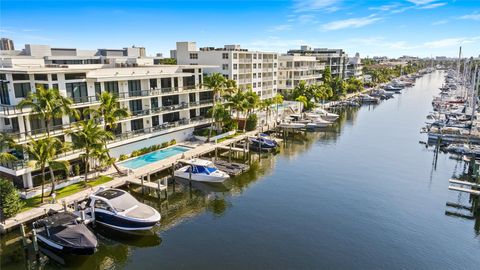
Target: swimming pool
152 157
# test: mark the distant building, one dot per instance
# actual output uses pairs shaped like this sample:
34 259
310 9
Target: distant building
335 59
6 44
255 69
296 68
354 67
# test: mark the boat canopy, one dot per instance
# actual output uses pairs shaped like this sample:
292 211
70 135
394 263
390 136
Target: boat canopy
118 199
195 169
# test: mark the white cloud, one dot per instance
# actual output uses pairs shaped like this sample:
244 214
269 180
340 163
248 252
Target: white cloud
450 42
312 5
473 16
281 27
304 19
440 22
385 7
431 6
421 2
351 23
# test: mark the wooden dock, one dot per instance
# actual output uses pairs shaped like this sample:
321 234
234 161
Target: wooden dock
463 189
466 190
464 183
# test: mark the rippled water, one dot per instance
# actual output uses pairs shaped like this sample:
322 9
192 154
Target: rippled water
363 195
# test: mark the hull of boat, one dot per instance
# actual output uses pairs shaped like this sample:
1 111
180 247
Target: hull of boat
122 223
201 177
48 243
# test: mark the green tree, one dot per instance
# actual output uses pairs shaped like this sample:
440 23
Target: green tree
10 202
168 61
327 75
47 105
218 84
277 100
92 138
252 101
266 105
6 143
111 112
42 154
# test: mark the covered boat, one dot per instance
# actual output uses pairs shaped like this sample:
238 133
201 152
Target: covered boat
63 232
201 170
263 142
117 209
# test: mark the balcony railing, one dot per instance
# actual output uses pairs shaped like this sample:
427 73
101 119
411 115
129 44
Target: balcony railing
161 91
12 110
85 100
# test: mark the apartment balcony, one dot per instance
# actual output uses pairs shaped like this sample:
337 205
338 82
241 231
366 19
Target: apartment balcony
245 70
164 127
162 92
242 81
267 60
13 110
245 60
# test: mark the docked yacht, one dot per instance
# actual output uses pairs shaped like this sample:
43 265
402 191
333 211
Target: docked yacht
262 142
63 232
291 125
318 122
390 87
117 209
325 114
201 170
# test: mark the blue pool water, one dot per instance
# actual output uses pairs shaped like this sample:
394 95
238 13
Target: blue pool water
153 157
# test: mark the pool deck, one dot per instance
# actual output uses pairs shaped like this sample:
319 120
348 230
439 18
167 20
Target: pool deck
134 176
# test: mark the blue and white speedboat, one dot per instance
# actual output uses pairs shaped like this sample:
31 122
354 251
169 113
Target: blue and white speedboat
117 209
201 170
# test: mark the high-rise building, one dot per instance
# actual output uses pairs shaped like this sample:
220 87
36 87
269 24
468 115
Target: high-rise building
165 101
354 67
255 69
6 44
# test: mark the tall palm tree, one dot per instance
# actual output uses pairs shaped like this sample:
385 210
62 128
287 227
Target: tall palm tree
252 101
92 138
266 104
48 104
6 142
277 100
237 102
42 154
217 83
110 110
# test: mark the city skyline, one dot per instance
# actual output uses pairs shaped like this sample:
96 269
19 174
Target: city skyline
392 28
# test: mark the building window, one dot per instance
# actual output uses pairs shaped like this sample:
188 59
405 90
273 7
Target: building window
155 121
6 121
137 124
54 77
235 66
3 77
235 56
275 82
224 55
254 75
75 76
44 85
111 87
4 97
55 86
254 85
235 76
134 88
40 77
259 65
259 56
274 65
254 56
225 66
98 89
20 77
153 83
259 84
135 106
254 65
77 91
225 76
259 75
193 55
154 102
21 89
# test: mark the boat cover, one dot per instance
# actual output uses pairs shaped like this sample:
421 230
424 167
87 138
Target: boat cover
77 235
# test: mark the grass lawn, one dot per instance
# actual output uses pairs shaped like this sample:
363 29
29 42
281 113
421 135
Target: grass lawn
229 137
64 192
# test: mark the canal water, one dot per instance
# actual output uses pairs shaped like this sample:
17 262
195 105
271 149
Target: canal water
364 194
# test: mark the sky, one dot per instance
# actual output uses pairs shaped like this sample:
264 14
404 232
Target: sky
373 28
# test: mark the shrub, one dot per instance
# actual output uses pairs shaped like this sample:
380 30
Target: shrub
251 122
173 142
76 169
165 144
9 199
122 157
135 153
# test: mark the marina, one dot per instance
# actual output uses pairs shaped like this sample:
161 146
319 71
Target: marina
344 189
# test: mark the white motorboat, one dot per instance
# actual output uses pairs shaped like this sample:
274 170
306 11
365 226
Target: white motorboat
318 122
201 170
291 125
325 114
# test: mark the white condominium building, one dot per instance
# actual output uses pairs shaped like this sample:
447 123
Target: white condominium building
296 68
354 67
165 101
336 59
258 70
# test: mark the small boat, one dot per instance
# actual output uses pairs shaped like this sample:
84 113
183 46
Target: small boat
64 232
263 142
117 209
325 114
390 87
291 125
201 170
318 123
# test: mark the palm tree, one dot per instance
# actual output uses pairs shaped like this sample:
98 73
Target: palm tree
48 104
237 102
92 138
42 154
6 142
266 104
217 83
252 101
111 112
277 99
